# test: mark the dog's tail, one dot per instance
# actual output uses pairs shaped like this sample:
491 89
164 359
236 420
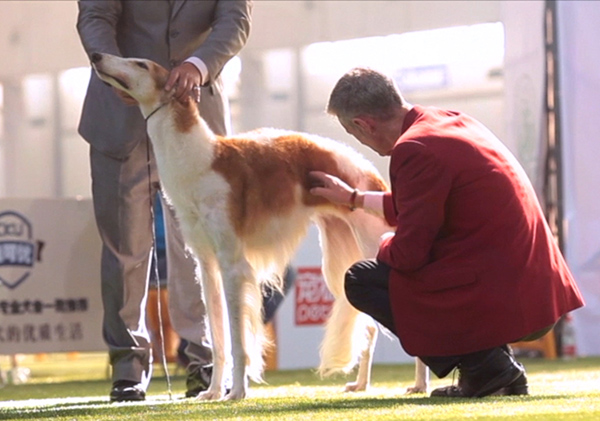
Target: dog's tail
347 331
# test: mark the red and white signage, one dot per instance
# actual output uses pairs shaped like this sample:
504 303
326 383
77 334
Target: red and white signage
313 299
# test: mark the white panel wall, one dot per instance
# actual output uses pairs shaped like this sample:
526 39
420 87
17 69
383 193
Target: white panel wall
285 23
524 81
38 36
578 33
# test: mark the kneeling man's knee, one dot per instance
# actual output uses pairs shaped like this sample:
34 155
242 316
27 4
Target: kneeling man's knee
352 284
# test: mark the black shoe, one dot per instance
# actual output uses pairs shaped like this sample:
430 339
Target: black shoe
127 390
485 374
517 388
198 379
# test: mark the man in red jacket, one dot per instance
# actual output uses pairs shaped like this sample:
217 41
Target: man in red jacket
472 265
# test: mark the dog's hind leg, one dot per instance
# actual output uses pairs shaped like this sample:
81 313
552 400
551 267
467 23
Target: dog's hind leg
349 335
421 378
368 228
363 377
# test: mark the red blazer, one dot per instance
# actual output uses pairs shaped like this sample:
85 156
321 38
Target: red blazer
474 264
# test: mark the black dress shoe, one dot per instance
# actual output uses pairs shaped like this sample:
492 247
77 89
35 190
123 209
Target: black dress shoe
516 388
486 374
126 391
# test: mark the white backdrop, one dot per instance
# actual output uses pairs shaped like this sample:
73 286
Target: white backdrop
578 34
579 73
524 84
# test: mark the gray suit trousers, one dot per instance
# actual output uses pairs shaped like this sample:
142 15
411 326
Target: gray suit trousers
123 193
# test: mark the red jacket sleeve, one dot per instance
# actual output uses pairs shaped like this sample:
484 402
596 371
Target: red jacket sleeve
389 211
420 186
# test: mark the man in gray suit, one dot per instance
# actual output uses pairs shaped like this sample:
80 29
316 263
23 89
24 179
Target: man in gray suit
194 39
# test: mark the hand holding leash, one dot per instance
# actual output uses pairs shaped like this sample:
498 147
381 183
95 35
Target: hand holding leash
185 79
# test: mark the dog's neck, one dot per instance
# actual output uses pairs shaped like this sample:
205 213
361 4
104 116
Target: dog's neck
151 107
179 134
155 110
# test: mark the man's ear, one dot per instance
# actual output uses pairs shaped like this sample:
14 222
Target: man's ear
365 123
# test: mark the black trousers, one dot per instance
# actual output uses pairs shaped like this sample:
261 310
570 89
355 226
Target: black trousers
366 287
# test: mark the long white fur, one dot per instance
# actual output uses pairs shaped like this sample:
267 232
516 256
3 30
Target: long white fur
233 265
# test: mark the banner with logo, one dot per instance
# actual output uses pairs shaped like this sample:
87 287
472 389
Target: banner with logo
49 276
313 299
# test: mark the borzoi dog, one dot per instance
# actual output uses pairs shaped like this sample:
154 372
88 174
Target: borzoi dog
244 205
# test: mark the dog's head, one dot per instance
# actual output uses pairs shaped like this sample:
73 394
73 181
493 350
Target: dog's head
141 79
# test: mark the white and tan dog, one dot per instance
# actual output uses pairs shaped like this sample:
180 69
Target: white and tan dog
244 205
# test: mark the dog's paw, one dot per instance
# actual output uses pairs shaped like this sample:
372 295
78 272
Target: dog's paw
415 389
235 395
209 395
355 387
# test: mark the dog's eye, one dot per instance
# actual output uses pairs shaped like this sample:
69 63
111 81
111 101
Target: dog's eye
142 64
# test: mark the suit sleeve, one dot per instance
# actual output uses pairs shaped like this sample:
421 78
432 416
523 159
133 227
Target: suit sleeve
97 25
230 31
420 186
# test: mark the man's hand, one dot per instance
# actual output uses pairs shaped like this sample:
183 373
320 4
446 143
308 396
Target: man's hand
330 187
183 79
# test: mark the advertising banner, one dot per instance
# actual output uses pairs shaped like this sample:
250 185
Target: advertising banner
313 299
49 276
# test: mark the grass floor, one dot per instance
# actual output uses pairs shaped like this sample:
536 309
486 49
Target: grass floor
64 387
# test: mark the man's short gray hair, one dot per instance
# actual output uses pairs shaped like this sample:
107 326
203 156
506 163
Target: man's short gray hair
364 91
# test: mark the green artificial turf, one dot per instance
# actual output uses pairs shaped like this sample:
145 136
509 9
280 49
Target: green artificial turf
77 389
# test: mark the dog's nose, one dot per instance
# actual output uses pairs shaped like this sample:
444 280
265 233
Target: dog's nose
96 57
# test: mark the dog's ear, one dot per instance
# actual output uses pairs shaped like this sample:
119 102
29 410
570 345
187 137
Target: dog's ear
166 96
125 97
160 75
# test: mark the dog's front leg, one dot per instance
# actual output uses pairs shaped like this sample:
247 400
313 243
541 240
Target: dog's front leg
233 283
421 378
213 295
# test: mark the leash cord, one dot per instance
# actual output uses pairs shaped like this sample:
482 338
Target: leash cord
151 114
156 273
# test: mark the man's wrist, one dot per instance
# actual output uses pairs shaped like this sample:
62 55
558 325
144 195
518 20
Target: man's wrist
372 201
201 66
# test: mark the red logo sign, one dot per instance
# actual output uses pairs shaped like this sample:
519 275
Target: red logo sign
313 299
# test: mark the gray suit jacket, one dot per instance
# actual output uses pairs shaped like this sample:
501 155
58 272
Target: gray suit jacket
165 31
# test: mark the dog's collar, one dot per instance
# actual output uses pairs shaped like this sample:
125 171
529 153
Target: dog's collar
154 111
